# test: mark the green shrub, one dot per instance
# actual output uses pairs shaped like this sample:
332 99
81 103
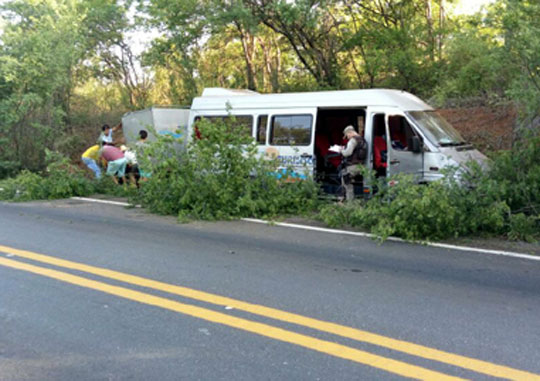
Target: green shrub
61 180
24 187
503 200
220 176
339 215
433 211
517 173
523 228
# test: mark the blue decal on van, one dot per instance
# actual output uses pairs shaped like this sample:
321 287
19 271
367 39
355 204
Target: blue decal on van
283 173
295 160
169 133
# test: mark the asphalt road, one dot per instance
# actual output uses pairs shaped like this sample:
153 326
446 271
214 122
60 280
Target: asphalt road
242 301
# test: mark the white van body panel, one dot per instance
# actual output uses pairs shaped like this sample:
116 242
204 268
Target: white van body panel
164 121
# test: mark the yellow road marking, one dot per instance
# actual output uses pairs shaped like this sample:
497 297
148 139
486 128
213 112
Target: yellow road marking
475 365
327 347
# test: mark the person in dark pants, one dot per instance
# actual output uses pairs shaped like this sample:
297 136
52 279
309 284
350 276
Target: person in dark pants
354 155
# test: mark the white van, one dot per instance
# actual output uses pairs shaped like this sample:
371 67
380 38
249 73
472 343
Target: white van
404 134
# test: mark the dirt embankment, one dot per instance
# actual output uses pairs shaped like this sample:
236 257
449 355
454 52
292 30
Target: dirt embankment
488 128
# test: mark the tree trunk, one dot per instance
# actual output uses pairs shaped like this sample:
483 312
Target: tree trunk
431 36
248 45
442 17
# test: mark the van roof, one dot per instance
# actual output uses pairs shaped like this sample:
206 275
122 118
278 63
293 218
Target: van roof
156 108
217 99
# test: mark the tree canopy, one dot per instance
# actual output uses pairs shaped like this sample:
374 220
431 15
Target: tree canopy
66 66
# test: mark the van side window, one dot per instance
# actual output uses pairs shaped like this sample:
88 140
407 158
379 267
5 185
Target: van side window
245 123
291 130
242 123
401 133
261 129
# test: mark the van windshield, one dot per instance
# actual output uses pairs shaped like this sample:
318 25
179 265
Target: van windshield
437 129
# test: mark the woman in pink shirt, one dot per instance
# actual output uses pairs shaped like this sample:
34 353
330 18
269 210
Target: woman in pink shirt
116 162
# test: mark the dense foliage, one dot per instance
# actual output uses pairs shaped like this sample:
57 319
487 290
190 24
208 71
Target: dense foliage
60 180
220 176
50 53
505 199
68 66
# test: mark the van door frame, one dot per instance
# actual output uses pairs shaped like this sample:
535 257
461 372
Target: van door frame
368 134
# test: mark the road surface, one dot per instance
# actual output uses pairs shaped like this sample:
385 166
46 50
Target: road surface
101 292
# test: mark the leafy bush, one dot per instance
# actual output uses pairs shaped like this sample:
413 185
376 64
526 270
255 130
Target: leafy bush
524 228
64 179
61 180
25 187
517 173
220 176
502 200
434 211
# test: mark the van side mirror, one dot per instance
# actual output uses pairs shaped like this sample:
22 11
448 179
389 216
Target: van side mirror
417 145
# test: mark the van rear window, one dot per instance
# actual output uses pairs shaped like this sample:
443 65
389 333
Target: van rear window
291 130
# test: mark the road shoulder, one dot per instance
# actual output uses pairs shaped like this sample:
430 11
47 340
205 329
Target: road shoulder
490 245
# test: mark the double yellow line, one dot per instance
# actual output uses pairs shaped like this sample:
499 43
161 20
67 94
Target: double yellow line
327 347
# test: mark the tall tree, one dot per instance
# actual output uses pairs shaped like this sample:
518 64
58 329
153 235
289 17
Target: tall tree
182 25
41 47
397 41
519 22
45 50
311 30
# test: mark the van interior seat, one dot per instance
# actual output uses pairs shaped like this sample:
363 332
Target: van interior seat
322 145
397 133
337 137
380 149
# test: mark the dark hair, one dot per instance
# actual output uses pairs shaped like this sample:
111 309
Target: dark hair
104 127
143 134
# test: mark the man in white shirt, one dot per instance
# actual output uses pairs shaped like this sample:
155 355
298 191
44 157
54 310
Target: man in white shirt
106 134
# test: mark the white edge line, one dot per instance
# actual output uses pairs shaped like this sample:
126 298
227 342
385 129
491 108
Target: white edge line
345 232
396 239
96 200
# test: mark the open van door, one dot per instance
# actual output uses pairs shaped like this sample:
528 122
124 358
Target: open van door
405 147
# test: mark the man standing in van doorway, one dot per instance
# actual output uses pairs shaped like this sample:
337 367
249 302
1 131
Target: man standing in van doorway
354 154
